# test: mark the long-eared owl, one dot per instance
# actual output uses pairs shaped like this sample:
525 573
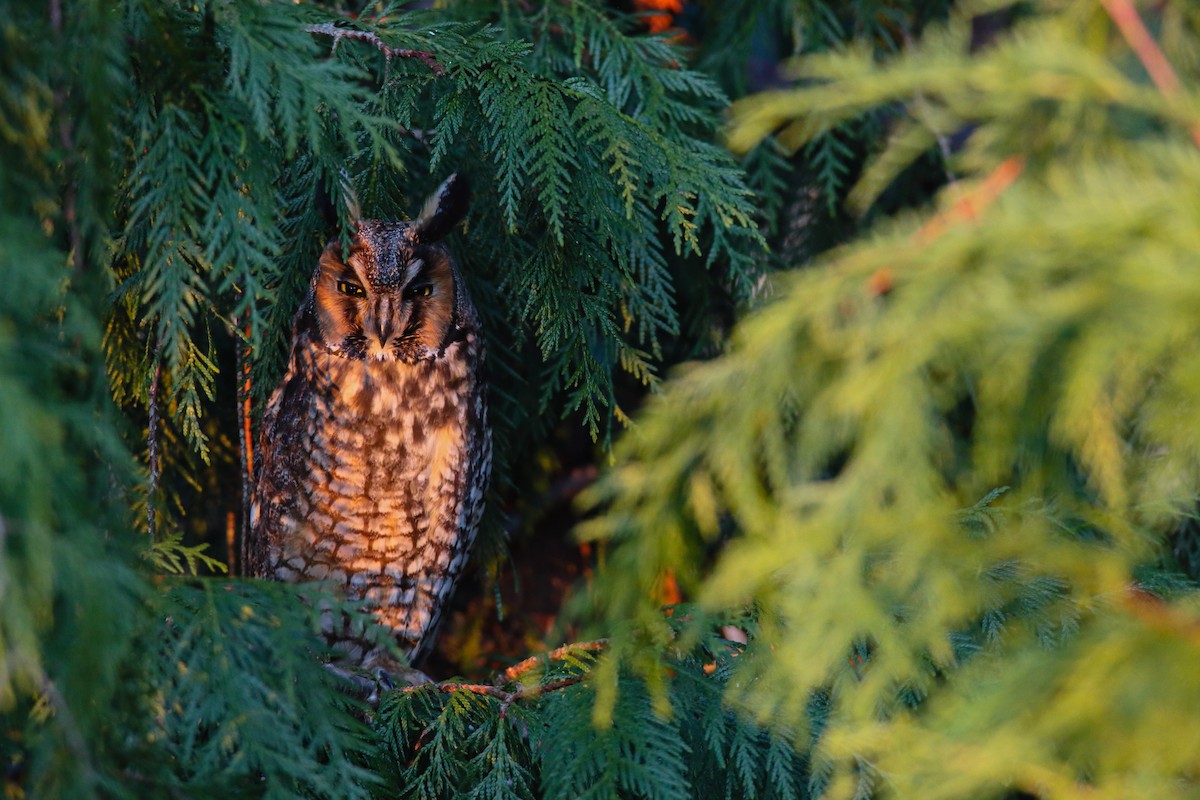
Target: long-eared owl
375 447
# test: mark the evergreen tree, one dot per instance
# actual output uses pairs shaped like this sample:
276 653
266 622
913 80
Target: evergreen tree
920 510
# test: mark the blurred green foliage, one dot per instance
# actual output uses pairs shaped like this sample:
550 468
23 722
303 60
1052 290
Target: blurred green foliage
1034 330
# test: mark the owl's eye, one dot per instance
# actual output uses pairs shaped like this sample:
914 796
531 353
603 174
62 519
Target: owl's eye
421 290
352 289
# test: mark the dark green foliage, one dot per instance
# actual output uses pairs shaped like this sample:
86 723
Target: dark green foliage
240 703
537 739
264 116
608 234
639 755
584 144
730 756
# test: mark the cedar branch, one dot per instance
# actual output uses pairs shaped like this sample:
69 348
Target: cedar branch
510 696
557 654
972 203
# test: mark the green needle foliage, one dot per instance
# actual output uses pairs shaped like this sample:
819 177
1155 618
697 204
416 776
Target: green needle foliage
584 142
1039 336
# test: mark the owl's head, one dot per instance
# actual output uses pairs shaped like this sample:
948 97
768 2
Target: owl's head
397 295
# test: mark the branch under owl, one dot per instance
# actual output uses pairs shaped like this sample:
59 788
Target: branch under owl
411 680
505 697
508 696
389 52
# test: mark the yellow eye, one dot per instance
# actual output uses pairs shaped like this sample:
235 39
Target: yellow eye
352 289
424 290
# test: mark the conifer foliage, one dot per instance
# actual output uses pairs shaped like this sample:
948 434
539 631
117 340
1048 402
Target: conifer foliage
1029 340
918 509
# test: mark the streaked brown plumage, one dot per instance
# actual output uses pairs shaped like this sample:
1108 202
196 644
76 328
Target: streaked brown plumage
375 447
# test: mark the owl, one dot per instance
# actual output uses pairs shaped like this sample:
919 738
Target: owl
375 450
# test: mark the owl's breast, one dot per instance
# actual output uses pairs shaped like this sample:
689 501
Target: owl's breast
388 481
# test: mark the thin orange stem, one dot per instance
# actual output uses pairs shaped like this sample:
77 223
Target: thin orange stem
1126 18
1134 30
973 202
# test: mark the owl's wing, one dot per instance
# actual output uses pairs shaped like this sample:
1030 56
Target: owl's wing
279 463
459 498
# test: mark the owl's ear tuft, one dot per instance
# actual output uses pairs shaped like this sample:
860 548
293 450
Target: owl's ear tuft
443 210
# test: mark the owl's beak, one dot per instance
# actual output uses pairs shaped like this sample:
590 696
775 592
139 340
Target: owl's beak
384 320
384 331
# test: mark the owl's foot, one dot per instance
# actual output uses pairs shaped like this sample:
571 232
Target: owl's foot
356 683
398 677
401 676
369 686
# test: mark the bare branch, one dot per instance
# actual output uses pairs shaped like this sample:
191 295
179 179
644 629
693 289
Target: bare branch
389 52
510 696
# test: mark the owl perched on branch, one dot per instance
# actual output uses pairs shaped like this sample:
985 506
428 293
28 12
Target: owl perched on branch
375 447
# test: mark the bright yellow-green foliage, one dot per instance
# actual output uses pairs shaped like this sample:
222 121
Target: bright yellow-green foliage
1048 343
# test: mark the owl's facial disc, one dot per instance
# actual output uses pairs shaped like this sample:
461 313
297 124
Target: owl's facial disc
393 297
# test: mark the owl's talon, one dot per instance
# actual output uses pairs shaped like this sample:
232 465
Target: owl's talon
400 676
360 686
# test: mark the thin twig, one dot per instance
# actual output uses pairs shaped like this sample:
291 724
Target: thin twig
246 443
152 443
1148 52
925 110
510 696
1130 24
389 52
972 203
969 205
